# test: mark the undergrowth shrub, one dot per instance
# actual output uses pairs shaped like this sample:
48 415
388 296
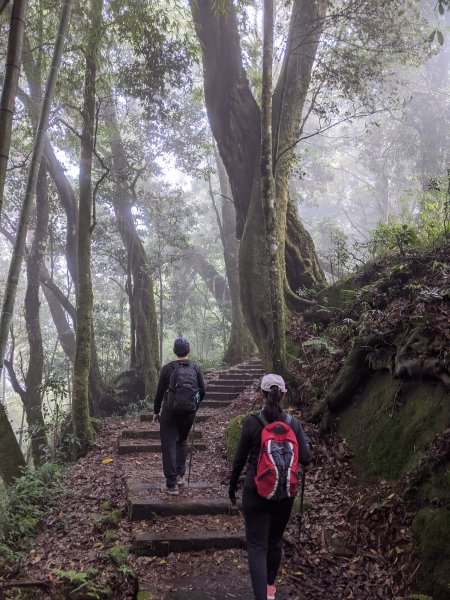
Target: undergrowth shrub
22 505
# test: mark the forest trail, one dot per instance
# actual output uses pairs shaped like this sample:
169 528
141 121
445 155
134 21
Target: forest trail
191 546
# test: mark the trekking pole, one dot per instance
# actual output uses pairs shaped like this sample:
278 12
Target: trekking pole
192 448
301 503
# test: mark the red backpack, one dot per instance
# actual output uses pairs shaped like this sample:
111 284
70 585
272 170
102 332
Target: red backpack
277 473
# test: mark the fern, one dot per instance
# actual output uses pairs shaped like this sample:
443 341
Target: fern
321 343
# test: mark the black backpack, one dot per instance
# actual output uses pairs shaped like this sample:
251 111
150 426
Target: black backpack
183 395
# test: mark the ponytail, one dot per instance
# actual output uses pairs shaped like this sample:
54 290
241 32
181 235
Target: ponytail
273 403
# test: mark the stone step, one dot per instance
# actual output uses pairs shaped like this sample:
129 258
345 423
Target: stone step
236 377
132 448
247 369
146 434
150 544
220 395
215 403
143 508
226 387
201 417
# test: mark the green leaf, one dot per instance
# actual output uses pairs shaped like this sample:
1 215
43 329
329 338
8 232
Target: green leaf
432 35
441 8
440 37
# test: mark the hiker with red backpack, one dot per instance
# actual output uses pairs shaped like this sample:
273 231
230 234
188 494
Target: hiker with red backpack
274 443
180 390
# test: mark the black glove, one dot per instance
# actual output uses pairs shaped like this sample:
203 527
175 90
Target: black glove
232 493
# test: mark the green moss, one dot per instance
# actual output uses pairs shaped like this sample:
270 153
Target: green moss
232 435
118 555
111 536
388 440
145 596
437 487
106 505
108 521
431 526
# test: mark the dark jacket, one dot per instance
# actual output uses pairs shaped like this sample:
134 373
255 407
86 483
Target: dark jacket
164 379
250 445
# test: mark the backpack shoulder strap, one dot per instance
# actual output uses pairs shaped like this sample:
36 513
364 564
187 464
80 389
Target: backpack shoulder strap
261 418
287 418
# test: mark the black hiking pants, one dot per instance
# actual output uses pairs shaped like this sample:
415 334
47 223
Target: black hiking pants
174 431
265 522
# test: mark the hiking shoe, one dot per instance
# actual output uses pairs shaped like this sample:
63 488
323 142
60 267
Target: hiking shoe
180 480
173 491
271 591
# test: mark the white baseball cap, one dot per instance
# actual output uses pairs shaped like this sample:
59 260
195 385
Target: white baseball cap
270 380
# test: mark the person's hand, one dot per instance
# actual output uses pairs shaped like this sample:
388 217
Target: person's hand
156 418
232 494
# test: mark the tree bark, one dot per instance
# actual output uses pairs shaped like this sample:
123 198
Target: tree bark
10 82
142 294
235 121
32 399
240 344
19 246
268 197
11 457
214 281
82 427
233 113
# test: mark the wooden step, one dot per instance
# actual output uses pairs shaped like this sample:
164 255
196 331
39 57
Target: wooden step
132 448
146 434
140 487
150 544
143 508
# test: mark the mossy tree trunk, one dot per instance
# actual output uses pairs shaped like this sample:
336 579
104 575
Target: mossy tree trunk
240 343
10 82
82 427
99 392
235 118
19 245
11 457
146 352
33 399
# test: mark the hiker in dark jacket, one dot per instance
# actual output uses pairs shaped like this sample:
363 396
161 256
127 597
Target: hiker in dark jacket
265 520
174 428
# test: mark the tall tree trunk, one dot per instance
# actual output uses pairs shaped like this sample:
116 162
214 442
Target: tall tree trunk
235 121
65 332
82 427
10 82
33 399
143 300
19 246
240 344
11 457
274 257
100 394
214 281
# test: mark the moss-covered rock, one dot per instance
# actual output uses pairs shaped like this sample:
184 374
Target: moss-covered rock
118 555
431 526
388 428
232 435
108 521
111 537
